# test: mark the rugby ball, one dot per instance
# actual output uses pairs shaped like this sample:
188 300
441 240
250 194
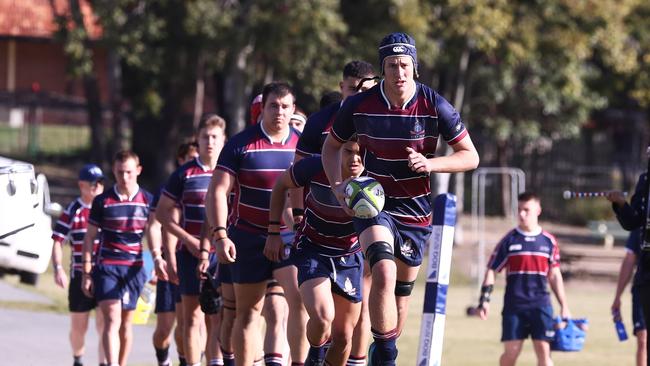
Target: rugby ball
365 196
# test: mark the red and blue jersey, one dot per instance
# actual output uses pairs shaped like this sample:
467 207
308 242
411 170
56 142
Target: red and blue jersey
384 133
316 130
256 163
123 223
188 186
325 224
72 225
527 258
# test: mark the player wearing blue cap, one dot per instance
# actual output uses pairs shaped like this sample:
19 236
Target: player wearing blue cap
398 124
71 226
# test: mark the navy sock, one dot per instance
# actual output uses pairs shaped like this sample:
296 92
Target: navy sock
77 361
356 360
228 357
182 361
162 355
385 350
273 359
316 355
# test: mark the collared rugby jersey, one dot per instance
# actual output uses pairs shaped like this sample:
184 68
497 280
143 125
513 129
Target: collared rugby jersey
72 225
123 224
325 223
527 259
316 130
384 132
256 163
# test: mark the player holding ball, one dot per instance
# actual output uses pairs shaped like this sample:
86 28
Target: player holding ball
398 123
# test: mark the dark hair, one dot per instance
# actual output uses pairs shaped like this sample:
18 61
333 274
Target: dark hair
358 69
279 88
330 98
125 155
528 196
185 148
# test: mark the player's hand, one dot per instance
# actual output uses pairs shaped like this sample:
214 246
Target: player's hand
160 266
202 268
60 278
483 310
616 306
226 251
616 197
273 248
418 162
339 193
172 272
87 285
565 313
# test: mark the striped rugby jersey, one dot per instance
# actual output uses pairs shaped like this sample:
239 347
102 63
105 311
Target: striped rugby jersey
256 163
188 186
71 226
123 224
316 130
527 258
325 224
384 132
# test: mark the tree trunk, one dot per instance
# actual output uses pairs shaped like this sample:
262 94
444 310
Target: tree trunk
199 90
94 109
236 88
119 121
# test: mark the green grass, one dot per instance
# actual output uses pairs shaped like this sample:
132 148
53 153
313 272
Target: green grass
50 139
467 341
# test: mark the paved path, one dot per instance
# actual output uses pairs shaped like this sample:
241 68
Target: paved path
41 338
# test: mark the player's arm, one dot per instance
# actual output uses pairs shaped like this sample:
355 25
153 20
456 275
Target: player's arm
624 277
204 251
296 196
164 214
169 243
86 259
274 246
557 286
630 216
154 241
221 184
331 157
60 278
486 293
463 158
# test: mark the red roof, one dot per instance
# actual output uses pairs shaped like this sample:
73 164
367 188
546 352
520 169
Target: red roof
35 18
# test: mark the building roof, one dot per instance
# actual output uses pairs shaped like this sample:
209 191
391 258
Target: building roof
35 18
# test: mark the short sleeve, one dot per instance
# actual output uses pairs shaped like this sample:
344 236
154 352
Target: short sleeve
499 256
303 171
174 186
450 125
97 211
343 126
230 157
62 227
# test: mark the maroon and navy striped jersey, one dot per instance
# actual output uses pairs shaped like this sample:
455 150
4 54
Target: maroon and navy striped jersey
188 186
384 133
123 224
256 163
72 226
325 224
527 258
316 130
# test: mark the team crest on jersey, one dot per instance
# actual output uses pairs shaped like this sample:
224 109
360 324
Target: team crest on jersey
406 248
529 238
514 247
418 129
348 288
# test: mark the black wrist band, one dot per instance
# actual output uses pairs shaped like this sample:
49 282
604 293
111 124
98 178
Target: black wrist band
273 233
274 222
486 291
297 212
218 228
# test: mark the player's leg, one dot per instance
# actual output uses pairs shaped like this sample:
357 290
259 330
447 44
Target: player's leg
79 306
134 279
641 340
639 328
297 317
126 336
78 328
99 327
227 323
275 311
406 276
165 318
511 350
317 296
193 317
249 301
542 330
345 319
515 328
361 336
112 312
178 333
212 348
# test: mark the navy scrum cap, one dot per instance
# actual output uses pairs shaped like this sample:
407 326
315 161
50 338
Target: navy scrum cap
91 173
398 44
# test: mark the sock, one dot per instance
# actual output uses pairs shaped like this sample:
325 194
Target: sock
77 361
385 351
228 357
356 361
103 364
215 362
162 355
273 359
316 354
182 361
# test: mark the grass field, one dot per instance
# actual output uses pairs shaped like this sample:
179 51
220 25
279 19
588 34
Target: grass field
50 139
470 341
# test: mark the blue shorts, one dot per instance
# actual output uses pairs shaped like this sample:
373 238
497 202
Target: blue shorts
345 273
77 301
189 282
536 323
223 274
251 265
115 282
637 311
410 239
167 296
288 239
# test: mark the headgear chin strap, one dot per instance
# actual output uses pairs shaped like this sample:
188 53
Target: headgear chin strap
398 44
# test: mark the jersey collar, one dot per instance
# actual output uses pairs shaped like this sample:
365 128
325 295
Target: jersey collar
128 198
204 167
387 101
530 233
284 140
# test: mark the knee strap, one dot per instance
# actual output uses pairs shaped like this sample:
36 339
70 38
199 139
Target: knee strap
377 251
404 288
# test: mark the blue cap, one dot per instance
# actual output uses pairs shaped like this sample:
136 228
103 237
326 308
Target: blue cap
398 44
91 173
